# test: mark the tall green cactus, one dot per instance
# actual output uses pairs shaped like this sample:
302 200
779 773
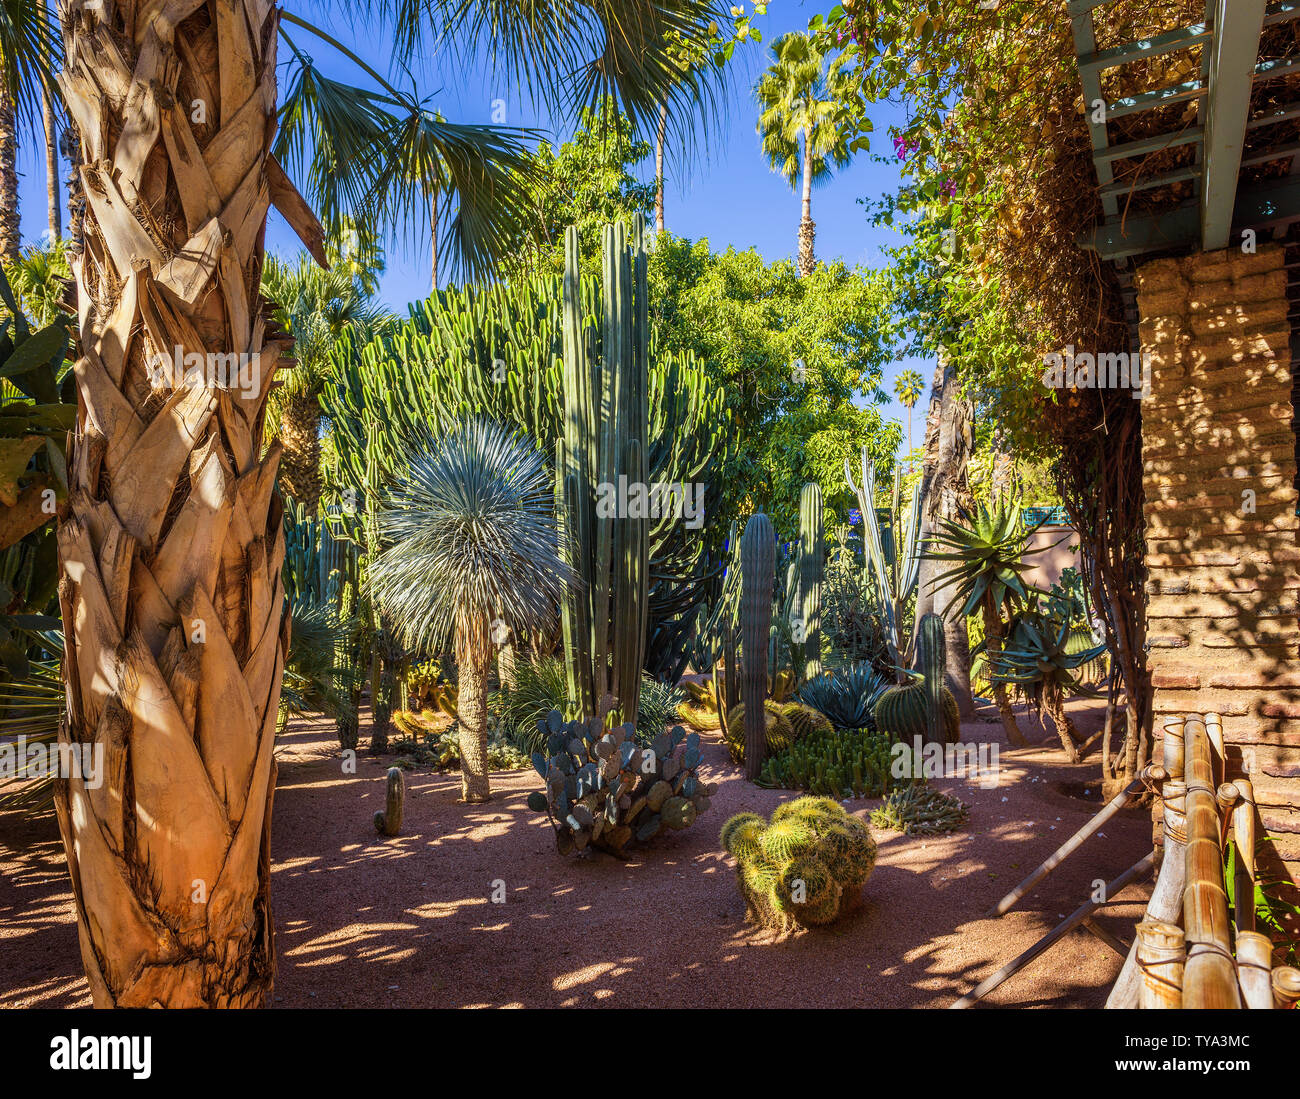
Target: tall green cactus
498 351
808 602
893 565
604 450
758 558
932 662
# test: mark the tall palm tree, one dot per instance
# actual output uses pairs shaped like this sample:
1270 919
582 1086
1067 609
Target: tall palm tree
471 557
909 385
172 538
318 307
27 50
802 97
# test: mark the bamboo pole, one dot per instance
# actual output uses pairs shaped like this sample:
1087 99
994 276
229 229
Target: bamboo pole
1210 975
1254 968
1166 904
1286 986
1118 802
1243 832
1142 866
1161 955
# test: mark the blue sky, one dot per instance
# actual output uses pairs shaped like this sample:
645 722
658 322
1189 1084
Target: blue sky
722 190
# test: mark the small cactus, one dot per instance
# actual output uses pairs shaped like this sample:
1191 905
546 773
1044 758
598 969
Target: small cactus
388 822
918 810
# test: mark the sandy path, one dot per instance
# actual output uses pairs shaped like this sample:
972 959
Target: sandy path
410 922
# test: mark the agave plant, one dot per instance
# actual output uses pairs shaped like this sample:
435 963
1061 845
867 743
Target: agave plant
893 562
847 696
470 556
1036 660
988 551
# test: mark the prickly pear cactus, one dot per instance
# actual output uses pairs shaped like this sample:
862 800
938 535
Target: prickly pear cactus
805 867
606 792
388 822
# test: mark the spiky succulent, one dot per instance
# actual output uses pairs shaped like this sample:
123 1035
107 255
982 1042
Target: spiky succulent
846 696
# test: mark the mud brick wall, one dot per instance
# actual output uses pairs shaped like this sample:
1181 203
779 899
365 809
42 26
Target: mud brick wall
1223 581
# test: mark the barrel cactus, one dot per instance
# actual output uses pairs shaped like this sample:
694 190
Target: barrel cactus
805 867
606 792
388 821
925 707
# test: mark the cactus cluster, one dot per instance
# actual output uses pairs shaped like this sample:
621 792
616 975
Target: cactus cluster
428 741
925 707
786 723
834 763
606 792
428 689
805 867
916 809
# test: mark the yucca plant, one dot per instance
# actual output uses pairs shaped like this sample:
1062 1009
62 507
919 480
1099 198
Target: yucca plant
1036 660
988 550
469 556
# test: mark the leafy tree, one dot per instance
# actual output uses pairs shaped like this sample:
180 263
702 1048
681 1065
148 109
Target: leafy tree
799 359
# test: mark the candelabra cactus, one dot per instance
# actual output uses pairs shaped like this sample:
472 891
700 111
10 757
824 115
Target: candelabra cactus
806 627
805 867
758 565
838 764
605 442
388 821
604 791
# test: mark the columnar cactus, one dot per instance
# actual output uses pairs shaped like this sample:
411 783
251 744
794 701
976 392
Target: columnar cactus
804 868
604 448
388 821
932 659
808 602
758 557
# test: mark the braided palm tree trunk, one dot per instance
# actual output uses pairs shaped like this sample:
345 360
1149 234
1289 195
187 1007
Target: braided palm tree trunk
171 540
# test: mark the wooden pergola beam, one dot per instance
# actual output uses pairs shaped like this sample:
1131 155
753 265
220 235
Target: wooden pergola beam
1233 60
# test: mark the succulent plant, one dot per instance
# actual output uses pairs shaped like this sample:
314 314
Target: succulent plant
805 867
846 696
917 809
606 792
834 763
925 707
388 822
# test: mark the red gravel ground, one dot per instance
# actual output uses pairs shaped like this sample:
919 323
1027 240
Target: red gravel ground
363 921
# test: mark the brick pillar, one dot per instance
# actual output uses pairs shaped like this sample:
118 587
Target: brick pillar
1223 578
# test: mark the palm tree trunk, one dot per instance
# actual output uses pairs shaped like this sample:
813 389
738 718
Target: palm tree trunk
70 147
993 640
945 490
807 227
300 463
10 225
433 236
473 664
660 141
54 207
172 539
